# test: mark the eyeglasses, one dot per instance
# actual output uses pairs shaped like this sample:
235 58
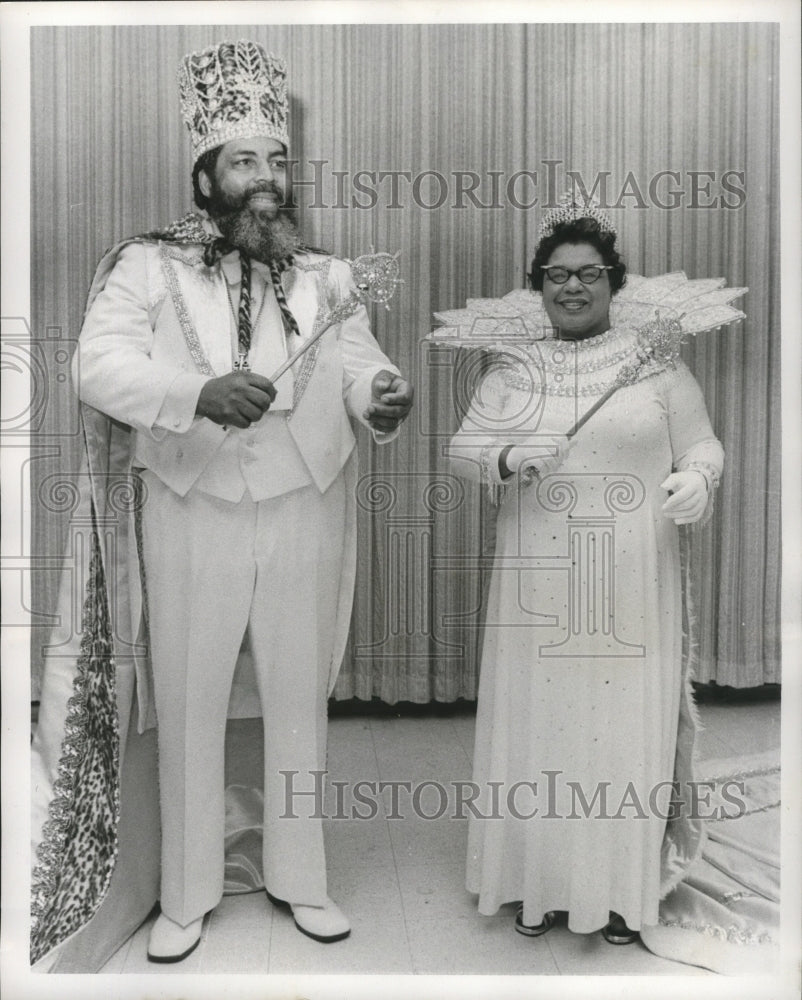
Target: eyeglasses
587 274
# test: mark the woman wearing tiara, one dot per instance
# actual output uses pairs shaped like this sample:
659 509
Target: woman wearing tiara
584 710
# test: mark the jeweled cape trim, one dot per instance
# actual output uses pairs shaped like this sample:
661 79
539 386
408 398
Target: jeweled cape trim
78 852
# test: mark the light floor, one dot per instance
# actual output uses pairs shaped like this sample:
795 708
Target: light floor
401 882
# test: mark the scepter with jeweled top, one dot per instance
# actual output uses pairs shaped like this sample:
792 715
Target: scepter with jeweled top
376 279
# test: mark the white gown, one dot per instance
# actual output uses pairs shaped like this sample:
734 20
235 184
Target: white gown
580 684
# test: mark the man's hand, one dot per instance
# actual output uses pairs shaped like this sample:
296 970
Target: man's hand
688 496
391 401
237 400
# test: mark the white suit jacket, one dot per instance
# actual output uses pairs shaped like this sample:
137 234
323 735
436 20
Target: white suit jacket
160 326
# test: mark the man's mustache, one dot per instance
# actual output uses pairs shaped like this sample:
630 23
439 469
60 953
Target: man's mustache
221 204
262 187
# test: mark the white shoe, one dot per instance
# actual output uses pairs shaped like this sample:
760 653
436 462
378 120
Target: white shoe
322 923
170 942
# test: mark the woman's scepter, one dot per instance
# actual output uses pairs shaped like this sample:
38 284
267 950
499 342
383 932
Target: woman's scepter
376 279
659 344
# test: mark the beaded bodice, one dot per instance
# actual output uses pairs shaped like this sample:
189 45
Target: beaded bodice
571 367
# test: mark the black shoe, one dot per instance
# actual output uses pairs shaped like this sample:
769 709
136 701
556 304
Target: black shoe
617 932
533 930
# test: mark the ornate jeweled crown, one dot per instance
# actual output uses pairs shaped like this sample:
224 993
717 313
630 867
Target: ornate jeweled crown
570 208
232 90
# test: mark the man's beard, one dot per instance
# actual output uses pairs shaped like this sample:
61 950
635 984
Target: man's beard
262 237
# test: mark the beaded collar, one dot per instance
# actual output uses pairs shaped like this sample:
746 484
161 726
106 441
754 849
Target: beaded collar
572 367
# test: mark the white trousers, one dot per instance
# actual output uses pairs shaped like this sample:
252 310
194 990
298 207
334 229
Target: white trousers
213 570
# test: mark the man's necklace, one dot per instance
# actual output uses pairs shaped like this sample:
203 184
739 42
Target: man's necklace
245 324
244 328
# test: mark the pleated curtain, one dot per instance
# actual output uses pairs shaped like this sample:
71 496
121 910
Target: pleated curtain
110 158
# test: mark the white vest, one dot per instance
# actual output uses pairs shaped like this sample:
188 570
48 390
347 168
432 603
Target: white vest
285 450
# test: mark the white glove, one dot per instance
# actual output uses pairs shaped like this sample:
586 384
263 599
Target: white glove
688 496
538 456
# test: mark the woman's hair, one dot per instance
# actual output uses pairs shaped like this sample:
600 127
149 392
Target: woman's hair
585 230
206 162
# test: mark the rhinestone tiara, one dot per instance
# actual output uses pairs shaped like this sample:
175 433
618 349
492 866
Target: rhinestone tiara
569 209
233 90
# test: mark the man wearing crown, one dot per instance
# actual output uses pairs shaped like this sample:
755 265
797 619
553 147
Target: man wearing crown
244 540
